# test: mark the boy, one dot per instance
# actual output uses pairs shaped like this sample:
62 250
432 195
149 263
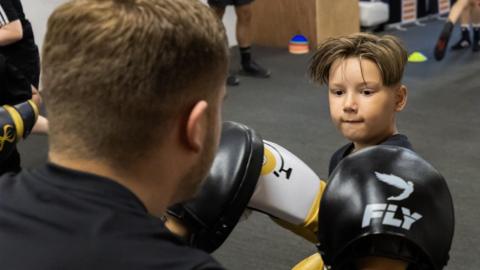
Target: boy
363 73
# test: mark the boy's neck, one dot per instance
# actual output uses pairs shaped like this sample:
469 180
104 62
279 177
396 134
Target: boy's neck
360 145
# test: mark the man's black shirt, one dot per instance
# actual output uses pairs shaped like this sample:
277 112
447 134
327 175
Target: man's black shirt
56 218
395 140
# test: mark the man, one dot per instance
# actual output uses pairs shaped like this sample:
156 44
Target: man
243 10
134 125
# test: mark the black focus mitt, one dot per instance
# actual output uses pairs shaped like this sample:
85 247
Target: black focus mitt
386 201
214 212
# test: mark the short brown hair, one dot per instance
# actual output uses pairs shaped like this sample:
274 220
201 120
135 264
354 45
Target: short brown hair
116 72
386 51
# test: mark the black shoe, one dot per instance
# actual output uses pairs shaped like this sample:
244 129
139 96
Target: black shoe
462 44
476 40
476 46
232 80
255 70
442 43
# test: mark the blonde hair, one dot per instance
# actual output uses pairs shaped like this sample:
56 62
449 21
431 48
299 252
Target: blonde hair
117 72
387 52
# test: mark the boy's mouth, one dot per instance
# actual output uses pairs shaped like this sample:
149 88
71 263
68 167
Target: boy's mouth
351 121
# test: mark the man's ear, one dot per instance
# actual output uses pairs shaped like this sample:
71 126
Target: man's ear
196 128
401 97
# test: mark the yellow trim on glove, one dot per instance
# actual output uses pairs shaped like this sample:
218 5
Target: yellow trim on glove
312 217
17 120
314 262
308 229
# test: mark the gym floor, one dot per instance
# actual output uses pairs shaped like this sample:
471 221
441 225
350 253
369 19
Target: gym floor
442 120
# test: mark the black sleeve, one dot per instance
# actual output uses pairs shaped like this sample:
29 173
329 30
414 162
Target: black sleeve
8 13
332 164
209 265
14 86
338 156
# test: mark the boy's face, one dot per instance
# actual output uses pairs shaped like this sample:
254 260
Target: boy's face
361 107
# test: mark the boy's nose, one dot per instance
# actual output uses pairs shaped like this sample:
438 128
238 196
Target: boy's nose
350 104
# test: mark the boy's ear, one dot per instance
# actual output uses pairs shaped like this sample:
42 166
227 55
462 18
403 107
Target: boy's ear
401 98
196 126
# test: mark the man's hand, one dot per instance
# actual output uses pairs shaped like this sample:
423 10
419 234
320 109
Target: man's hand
41 126
175 226
36 98
380 263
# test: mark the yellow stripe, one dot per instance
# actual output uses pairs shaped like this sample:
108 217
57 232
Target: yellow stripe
35 109
308 229
17 120
314 262
312 217
269 162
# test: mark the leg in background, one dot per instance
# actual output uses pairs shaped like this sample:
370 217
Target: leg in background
464 41
475 15
244 39
442 42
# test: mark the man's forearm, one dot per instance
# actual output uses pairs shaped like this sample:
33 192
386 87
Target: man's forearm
11 33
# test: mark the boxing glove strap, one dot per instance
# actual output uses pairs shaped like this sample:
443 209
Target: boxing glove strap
29 114
16 119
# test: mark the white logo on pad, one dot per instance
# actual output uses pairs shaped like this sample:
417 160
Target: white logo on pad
398 183
386 212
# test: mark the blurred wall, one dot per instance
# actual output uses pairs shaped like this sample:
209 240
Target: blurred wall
37 11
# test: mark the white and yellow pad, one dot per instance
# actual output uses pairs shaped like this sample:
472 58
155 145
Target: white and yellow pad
289 191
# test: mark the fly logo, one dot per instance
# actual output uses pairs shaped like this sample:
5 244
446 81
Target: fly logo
387 212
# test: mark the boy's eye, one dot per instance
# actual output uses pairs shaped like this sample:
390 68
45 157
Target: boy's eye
367 92
337 92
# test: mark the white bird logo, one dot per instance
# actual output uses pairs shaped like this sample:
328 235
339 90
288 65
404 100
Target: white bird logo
397 182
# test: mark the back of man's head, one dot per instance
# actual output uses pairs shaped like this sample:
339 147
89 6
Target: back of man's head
116 73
